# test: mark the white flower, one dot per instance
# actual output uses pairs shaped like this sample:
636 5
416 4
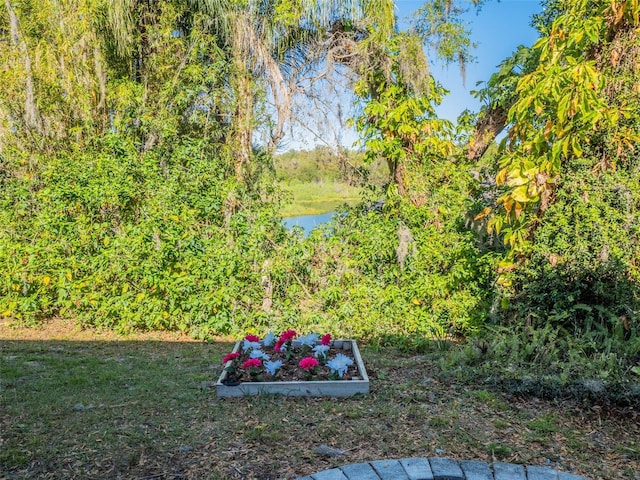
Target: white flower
309 340
272 366
269 340
247 345
257 353
339 364
320 350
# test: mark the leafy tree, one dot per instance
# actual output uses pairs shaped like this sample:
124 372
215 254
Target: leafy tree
270 42
575 104
121 204
566 178
399 95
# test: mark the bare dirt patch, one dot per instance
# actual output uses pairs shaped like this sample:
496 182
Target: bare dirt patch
66 329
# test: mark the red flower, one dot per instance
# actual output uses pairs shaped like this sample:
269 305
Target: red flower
230 356
252 338
308 363
277 345
326 339
252 363
288 335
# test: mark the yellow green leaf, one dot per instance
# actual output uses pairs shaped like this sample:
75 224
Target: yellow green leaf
483 213
521 194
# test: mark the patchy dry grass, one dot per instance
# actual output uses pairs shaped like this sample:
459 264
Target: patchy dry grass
83 404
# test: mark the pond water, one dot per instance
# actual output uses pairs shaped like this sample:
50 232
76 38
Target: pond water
307 222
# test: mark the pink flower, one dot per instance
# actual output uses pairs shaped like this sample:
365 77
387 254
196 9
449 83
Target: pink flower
288 335
252 363
308 363
252 338
326 339
230 356
277 346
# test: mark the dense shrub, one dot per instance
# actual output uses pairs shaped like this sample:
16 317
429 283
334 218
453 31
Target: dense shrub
404 273
116 238
122 240
548 361
582 272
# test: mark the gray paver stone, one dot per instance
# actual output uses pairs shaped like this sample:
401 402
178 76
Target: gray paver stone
360 471
439 469
541 473
389 470
508 471
570 476
333 474
417 468
445 469
476 470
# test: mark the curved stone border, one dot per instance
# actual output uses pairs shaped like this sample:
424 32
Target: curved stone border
439 469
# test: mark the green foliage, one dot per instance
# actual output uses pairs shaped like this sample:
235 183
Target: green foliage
133 220
404 275
568 180
118 240
565 110
398 122
398 125
547 361
581 272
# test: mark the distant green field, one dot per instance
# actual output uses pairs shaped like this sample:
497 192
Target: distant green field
320 183
311 198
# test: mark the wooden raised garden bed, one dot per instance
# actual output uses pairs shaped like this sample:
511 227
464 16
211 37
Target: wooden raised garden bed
356 384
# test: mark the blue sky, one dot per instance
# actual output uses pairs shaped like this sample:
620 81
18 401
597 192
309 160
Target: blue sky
498 28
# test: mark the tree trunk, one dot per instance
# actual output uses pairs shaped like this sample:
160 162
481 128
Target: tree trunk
396 169
243 41
101 75
31 112
488 127
243 127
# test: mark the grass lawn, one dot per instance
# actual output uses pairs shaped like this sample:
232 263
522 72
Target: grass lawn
91 405
318 197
